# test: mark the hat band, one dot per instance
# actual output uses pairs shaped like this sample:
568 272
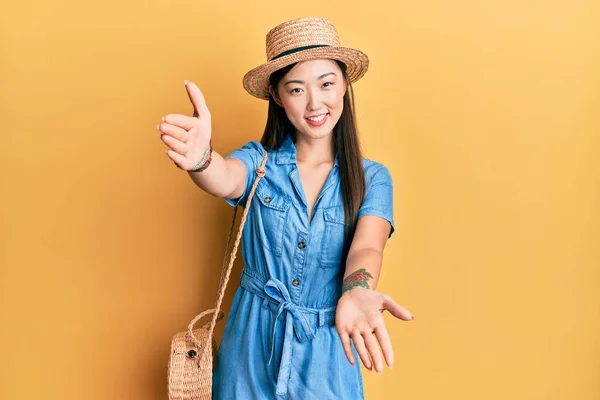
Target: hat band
297 49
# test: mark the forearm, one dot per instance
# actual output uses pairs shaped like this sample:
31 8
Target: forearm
362 269
215 179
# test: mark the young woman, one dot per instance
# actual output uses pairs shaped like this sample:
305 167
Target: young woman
306 308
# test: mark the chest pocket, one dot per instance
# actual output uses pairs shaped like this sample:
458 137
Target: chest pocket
333 237
271 212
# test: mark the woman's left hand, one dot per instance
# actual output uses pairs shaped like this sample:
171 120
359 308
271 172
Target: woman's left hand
359 315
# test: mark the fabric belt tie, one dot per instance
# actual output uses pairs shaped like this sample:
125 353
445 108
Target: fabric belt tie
301 321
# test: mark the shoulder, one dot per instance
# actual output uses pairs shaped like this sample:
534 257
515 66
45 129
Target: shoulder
253 146
375 171
251 153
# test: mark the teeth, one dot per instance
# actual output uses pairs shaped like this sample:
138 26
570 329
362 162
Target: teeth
318 119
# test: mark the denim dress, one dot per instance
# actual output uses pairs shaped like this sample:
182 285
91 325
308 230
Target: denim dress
280 339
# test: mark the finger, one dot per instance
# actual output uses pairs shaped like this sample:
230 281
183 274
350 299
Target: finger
396 309
197 99
177 158
181 121
178 133
359 343
347 347
386 345
175 144
374 352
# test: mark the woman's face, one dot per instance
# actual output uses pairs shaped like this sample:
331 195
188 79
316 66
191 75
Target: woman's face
312 93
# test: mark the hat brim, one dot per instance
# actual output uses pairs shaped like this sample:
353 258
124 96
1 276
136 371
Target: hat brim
256 81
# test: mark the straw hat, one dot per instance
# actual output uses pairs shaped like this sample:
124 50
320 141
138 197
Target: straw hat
300 40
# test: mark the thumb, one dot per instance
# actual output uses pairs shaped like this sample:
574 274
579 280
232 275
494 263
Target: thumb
197 98
396 309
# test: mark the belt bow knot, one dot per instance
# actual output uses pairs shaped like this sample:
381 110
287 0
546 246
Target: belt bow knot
294 319
300 321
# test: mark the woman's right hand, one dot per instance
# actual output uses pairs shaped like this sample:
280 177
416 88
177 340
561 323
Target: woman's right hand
187 137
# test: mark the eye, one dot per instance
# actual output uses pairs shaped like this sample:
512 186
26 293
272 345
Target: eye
330 83
292 91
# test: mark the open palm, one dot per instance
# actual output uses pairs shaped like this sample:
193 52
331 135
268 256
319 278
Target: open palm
359 316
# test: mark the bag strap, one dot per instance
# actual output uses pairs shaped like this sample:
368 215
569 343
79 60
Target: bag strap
227 266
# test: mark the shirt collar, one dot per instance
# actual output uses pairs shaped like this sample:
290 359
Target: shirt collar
286 153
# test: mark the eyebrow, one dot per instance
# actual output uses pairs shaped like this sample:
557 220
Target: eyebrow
302 82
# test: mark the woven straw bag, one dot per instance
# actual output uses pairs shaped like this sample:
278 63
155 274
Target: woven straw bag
193 352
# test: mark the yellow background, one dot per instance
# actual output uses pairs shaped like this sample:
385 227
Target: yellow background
486 113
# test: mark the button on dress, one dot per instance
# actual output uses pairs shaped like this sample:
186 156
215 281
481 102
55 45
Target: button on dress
280 339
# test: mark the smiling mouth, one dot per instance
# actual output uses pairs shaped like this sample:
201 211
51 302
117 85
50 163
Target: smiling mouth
317 120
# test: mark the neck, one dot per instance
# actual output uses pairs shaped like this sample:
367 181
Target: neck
314 151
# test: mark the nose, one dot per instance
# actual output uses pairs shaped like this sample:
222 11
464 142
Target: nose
314 101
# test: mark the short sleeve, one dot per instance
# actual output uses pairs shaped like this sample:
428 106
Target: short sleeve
251 155
379 196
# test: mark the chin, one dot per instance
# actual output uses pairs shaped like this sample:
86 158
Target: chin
317 134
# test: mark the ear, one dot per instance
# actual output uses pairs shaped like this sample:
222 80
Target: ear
275 96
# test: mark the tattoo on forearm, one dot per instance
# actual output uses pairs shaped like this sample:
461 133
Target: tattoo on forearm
357 278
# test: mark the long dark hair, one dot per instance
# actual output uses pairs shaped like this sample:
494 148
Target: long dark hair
345 143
